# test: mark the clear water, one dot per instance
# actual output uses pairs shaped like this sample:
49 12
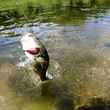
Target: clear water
79 54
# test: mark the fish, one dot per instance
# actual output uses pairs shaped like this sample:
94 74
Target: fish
36 52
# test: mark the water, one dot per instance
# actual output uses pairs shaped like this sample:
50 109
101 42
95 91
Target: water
79 53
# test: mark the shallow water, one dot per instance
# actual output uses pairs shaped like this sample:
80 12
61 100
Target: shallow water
79 54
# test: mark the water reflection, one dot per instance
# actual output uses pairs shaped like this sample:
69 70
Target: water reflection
93 30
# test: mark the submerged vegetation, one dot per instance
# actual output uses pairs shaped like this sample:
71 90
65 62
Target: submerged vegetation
79 88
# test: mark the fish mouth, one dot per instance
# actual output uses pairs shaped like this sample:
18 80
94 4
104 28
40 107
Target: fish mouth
33 51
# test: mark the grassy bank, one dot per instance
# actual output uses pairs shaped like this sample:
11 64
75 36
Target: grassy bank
5 4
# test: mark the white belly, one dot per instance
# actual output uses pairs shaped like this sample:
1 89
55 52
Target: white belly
31 57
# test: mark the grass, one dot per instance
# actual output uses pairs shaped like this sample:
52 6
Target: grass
5 5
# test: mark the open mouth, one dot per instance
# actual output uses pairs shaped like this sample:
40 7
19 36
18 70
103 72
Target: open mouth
33 51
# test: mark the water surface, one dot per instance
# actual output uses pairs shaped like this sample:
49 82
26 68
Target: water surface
79 53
